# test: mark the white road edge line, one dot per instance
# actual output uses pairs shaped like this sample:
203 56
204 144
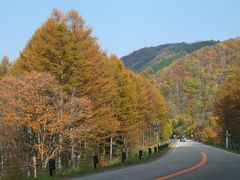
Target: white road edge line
232 153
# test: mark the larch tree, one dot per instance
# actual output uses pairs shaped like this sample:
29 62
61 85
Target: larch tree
122 103
4 66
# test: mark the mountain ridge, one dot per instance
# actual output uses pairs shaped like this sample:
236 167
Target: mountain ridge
153 59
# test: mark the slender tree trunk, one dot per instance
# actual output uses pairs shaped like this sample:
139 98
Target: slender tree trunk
28 172
111 147
78 151
72 140
72 153
34 166
43 164
42 161
85 149
2 164
143 137
59 160
104 150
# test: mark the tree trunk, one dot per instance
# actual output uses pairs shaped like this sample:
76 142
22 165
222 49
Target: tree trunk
111 147
85 149
41 141
34 166
2 164
59 160
143 139
78 156
72 140
72 153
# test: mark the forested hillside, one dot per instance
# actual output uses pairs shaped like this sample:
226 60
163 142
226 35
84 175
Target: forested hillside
227 106
153 59
64 98
188 76
190 85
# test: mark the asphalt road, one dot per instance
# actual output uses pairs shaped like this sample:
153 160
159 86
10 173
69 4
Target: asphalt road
187 156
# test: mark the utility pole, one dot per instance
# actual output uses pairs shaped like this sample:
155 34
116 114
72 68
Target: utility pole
227 135
157 138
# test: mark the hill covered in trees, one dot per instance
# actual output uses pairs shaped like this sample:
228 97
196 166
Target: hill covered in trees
64 98
190 85
153 59
189 77
226 105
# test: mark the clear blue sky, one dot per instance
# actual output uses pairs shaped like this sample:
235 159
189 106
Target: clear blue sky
122 26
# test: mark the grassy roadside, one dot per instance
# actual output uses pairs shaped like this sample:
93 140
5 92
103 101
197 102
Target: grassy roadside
84 170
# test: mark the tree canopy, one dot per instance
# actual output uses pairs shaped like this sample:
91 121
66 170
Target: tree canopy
68 98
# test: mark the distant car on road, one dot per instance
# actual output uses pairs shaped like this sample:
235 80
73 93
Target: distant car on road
182 139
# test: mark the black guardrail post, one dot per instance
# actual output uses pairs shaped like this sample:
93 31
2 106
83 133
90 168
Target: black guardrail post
124 156
140 153
149 152
155 150
51 166
95 161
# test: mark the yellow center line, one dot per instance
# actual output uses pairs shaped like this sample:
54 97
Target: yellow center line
201 163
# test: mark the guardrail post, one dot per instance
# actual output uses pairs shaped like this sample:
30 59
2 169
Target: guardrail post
124 156
140 153
95 161
155 150
51 166
149 152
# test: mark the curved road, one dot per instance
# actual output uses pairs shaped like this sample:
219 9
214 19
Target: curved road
189 160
